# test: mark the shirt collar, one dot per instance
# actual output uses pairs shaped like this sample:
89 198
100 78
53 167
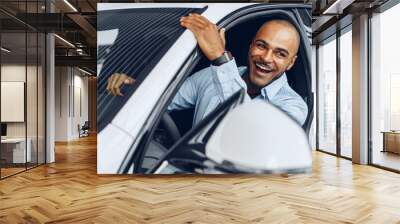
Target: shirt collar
269 91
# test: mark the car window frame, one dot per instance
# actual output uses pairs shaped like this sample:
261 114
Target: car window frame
154 119
104 119
134 156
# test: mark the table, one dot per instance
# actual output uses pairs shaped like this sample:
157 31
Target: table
15 148
391 141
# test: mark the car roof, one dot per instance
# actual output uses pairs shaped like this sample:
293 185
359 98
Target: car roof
118 6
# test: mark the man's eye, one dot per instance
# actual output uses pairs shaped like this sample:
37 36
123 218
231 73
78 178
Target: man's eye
260 45
281 54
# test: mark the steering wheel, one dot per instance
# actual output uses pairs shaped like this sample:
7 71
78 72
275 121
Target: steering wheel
158 146
170 127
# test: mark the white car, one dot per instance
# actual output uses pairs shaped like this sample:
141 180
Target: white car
137 135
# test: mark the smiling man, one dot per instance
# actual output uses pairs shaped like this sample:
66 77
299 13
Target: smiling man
273 51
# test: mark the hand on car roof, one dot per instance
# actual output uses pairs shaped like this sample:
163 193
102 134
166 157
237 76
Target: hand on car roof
115 82
210 40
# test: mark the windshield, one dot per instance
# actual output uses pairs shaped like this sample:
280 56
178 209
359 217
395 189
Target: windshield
132 41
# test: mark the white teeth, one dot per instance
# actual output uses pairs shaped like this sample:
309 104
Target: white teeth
263 67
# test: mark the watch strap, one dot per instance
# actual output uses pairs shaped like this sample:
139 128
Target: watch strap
225 57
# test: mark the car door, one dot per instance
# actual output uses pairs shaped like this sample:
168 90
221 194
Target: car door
243 12
146 42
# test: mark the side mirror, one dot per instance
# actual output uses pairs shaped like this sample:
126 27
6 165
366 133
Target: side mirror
257 137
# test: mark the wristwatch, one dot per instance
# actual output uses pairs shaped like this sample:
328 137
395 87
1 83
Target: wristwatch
225 57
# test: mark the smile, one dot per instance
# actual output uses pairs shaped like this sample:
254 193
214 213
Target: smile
262 68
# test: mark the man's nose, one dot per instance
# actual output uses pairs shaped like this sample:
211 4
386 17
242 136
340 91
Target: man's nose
267 56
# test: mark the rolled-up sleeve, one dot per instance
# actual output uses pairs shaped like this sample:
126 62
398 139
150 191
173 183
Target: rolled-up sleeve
186 96
208 88
227 79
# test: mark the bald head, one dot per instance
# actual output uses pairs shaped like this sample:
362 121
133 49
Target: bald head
282 29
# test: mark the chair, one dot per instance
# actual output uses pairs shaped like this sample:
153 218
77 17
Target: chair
84 130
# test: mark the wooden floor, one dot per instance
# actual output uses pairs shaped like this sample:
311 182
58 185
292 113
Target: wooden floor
10 171
70 191
387 159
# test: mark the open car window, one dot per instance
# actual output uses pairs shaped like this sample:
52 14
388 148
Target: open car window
145 153
132 41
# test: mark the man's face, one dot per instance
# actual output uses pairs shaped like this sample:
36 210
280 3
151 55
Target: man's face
272 52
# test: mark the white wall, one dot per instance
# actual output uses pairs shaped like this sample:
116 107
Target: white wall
13 73
71 102
80 110
61 103
33 126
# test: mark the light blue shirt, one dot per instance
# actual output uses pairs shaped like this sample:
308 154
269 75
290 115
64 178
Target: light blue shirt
209 87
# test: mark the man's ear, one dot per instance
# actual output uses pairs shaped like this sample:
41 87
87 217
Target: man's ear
291 63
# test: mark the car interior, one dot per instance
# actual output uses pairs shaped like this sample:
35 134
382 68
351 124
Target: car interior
175 124
238 40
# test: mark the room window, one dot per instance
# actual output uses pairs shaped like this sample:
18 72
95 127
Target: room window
346 93
385 89
327 96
